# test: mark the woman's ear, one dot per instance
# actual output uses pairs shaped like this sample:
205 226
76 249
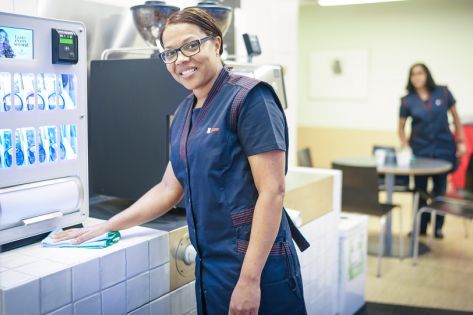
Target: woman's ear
218 44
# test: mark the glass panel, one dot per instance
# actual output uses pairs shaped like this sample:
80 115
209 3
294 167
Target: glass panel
6 150
23 84
46 91
68 142
47 139
5 92
25 141
67 91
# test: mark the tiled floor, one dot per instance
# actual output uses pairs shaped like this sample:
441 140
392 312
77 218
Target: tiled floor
443 277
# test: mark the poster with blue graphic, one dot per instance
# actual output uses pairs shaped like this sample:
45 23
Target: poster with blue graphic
16 43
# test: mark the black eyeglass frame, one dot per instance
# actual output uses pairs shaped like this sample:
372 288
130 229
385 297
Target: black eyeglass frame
199 41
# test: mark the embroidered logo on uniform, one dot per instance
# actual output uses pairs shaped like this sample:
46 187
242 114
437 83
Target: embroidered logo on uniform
212 130
438 102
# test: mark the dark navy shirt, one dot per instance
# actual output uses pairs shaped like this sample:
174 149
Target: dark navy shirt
430 132
195 114
261 126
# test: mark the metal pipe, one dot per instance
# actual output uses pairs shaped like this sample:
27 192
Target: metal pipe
139 50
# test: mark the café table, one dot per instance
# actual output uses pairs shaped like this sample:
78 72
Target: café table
417 166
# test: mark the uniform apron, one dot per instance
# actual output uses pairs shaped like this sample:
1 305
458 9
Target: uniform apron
431 136
220 197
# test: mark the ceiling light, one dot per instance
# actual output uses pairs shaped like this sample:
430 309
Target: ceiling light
350 2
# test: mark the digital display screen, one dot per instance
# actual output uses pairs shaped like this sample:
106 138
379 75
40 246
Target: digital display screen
63 40
16 43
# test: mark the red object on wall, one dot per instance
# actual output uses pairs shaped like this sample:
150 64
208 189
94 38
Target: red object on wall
458 178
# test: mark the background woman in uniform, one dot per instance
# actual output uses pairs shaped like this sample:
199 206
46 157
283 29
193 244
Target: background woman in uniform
228 159
428 104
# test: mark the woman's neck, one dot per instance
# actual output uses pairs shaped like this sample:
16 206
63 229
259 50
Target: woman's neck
202 92
423 92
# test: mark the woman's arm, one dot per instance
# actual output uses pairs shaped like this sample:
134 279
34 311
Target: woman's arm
268 172
401 132
157 201
461 148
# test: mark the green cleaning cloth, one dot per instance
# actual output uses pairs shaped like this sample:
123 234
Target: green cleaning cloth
101 241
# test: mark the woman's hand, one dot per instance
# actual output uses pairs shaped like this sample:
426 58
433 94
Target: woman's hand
245 298
81 235
461 149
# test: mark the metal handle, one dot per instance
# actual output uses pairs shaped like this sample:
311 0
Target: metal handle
41 218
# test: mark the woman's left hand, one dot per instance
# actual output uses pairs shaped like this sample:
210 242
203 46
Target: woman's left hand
245 298
461 149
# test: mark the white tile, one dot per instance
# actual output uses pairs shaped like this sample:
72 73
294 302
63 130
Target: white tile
67 256
20 300
137 291
55 283
144 310
114 300
158 251
30 250
41 268
133 236
137 259
183 299
13 259
88 306
159 281
56 290
85 279
140 232
11 279
66 310
6 6
161 306
72 256
112 269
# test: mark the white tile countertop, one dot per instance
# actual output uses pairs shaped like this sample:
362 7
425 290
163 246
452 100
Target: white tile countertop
113 280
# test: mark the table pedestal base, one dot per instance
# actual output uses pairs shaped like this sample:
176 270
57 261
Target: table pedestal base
408 248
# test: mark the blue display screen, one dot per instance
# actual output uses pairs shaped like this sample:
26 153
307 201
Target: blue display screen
16 43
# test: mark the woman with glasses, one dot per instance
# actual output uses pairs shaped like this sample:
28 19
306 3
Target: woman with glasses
428 104
229 140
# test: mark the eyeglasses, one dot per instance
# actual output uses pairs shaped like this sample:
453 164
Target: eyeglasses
189 49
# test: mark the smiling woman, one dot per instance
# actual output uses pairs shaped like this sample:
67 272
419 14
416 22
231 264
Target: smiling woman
229 141
263 266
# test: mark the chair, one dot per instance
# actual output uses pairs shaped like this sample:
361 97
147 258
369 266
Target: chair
304 158
440 206
462 196
360 195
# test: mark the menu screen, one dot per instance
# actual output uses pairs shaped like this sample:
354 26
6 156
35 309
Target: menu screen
16 43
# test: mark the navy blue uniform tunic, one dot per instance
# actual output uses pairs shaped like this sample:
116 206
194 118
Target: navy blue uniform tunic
210 160
430 133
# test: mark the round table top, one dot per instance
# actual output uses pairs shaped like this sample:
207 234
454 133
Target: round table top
419 166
